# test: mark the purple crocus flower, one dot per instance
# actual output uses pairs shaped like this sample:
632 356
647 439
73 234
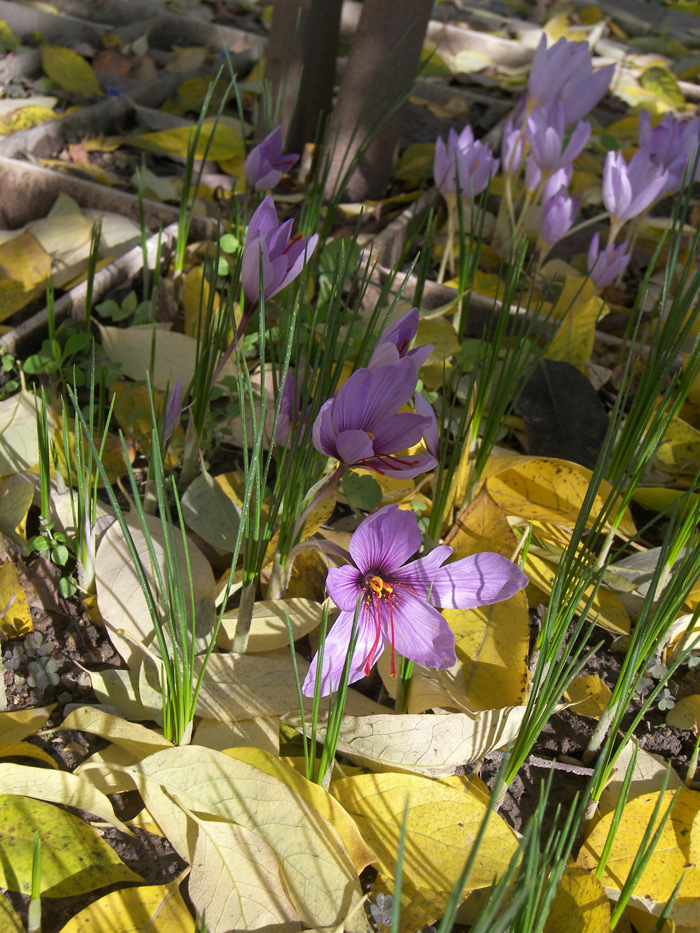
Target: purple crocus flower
268 243
545 132
629 190
605 265
463 162
265 164
360 425
564 72
394 343
558 214
672 144
398 598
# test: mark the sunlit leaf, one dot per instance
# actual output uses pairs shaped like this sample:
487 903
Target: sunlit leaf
153 909
442 823
70 71
74 859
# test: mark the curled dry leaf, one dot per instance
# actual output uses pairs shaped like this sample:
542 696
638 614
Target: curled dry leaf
545 489
236 881
426 745
317 797
57 787
268 629
441 824
677 853
317 870
241 686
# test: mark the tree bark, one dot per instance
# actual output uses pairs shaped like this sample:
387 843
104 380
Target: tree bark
307 64
384 55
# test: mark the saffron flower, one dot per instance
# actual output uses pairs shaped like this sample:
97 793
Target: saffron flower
629 190
265 164
605 265
464 162
558 214
394 343
360 425
398 597
564 73
267 246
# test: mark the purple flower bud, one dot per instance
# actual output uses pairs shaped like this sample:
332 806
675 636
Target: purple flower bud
605 266
267 246
265 164
558 214
629 190
564 73
398 597
394 342
463 163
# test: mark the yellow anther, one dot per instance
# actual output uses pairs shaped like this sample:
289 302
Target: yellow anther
379 586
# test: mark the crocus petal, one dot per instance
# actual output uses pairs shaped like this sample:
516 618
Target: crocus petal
344 585
264 219
335 651
404 467
420 633
353 446
478 580
431 434
420 574
385 540
420 354
322 432
398 432
370 396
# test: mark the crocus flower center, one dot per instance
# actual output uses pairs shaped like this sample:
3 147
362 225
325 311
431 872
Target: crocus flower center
381 595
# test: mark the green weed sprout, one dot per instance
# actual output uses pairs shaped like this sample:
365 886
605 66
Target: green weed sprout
174 624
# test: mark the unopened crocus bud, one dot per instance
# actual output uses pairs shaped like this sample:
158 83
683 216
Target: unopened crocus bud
268 248
265 164
557 217
606 265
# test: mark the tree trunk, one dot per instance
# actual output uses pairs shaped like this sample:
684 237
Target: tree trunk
307 64
385 53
